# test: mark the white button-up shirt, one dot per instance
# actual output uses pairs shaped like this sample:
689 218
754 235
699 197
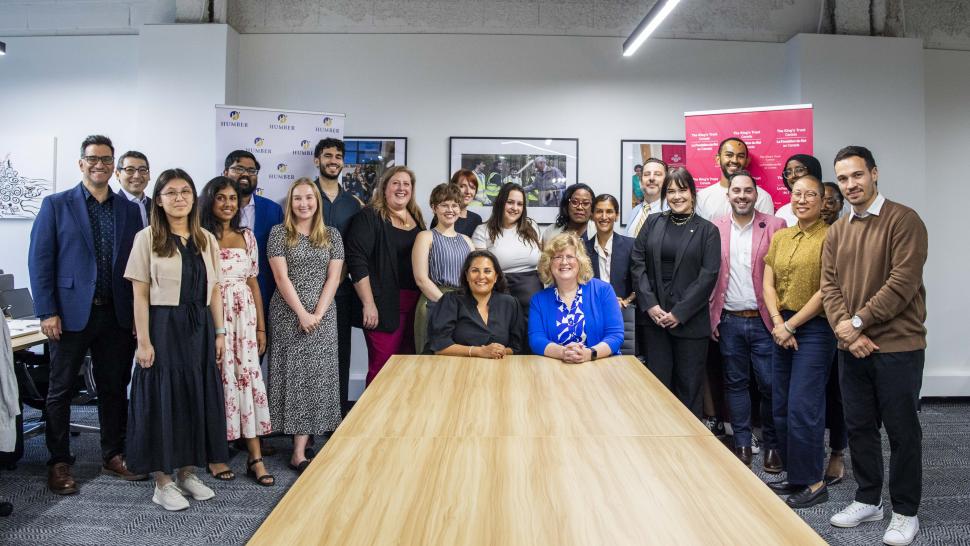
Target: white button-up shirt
740 294
605 253
142 203
874 209
247 216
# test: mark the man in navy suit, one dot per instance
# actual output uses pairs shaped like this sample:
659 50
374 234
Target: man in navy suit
257 213
79 247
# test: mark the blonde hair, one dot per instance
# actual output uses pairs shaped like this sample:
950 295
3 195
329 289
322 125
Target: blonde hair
319 236
379 202
558 244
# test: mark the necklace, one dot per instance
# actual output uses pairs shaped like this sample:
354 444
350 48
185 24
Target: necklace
679 222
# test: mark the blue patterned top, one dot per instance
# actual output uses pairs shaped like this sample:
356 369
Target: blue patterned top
570 319
102 218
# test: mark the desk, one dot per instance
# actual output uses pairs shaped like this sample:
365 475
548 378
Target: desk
526 450
28 340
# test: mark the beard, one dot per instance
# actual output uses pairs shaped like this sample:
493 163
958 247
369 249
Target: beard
325 174
245 189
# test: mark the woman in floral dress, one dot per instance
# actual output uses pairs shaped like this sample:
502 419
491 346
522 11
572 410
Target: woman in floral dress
247 410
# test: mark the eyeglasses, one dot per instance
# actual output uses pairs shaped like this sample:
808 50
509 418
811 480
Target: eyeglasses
561 259
93 160
808 195
130 171
580 204
240 170
787 173
186 194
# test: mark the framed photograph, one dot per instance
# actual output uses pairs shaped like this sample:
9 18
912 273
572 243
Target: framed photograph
543 166
632 155
27 166
366 159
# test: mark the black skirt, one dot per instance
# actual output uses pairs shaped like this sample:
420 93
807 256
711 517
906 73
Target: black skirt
522 286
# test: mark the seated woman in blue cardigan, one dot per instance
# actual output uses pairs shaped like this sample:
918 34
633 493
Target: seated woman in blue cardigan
577 318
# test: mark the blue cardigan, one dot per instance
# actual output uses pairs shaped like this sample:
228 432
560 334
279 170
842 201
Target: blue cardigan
604 321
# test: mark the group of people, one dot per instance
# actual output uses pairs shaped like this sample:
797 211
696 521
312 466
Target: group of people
194 273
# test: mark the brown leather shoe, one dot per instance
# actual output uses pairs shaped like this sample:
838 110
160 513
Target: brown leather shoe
773 461
115 466
744 453
59 479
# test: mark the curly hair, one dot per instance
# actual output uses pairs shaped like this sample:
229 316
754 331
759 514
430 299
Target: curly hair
558 244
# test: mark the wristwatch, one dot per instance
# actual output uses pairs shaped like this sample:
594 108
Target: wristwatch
593 355
857 322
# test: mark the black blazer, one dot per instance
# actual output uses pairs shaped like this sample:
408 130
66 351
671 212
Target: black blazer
695 273
369 254
620 278
454 320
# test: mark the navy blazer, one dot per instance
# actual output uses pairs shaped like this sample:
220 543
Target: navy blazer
268 214
62 263
620 278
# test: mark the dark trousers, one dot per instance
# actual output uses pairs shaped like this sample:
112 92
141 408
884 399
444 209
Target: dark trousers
112 350
679 364
798 398
344 300
834 415
885 387
747 345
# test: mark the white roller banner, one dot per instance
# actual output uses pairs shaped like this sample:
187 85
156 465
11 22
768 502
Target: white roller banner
281 140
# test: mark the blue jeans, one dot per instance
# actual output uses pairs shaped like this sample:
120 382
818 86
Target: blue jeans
798 396
747 345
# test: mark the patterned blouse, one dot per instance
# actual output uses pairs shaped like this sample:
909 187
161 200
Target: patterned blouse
570 320
795 256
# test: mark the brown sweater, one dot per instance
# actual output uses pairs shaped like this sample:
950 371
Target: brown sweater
873 267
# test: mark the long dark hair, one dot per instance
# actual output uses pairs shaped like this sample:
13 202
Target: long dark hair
812 164
162 243
207 200
563 219
527 233
501 285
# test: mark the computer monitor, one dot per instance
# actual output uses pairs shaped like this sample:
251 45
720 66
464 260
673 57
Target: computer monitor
21 305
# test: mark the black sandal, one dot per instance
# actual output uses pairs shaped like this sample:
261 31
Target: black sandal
225 476
299 468
266 480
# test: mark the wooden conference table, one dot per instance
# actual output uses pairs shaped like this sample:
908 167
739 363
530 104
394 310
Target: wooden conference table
526 450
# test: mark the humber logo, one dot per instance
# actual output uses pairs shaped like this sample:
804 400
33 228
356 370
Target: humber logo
328 126
234 116
305 144
258 141
327 121
281 118
281 124
281 168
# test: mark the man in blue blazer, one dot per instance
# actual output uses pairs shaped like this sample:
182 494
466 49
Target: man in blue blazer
79 247
257 213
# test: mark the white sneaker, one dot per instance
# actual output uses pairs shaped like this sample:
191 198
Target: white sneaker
856 513
902 530
170 498
755 445
192 485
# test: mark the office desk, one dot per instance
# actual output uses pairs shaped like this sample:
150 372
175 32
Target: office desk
526 450
26 341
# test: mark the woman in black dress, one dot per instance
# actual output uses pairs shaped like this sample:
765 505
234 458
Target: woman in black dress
177 415
479 319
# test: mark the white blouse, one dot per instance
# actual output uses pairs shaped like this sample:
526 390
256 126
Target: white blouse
514 255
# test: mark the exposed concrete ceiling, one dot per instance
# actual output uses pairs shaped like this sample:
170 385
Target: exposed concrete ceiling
942 24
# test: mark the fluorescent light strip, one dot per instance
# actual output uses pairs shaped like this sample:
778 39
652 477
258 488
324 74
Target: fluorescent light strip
654 17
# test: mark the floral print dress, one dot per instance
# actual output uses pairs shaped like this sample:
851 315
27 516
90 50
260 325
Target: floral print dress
247 408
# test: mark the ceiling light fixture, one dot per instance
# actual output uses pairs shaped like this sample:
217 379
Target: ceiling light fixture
654 17
3 48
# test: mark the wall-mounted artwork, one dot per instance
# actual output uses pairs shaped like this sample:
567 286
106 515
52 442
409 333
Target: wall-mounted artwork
543 166
633 154
366 159
26 175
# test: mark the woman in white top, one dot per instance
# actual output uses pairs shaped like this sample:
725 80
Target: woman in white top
513 238
796 167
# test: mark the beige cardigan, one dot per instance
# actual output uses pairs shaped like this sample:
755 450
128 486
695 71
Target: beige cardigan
164 275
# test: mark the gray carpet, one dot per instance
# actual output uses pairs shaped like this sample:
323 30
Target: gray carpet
113 512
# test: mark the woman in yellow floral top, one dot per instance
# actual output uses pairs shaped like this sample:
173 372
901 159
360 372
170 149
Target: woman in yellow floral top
804 345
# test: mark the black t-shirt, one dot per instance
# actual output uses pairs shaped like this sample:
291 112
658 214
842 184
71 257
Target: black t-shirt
402 241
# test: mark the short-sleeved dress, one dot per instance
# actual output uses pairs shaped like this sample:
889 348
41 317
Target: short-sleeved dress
177 413
304 390
247 407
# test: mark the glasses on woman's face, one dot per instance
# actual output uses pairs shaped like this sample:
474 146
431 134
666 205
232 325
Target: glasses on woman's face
806 195
185 194
580 203
568 258
797 171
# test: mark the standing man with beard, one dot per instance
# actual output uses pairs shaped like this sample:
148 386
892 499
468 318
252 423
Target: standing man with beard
739 318
339 206
712 201
651 180
132 173
257 213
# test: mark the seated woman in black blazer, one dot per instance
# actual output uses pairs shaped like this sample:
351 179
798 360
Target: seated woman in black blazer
479 319
675 263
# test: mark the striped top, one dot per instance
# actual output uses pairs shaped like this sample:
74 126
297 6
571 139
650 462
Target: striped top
445 259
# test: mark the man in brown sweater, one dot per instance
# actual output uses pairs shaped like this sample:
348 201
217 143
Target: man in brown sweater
872 291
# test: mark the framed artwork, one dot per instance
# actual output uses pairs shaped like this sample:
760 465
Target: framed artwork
365 160
632 155
26 175
543 166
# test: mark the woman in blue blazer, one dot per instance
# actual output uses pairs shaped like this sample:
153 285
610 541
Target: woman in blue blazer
577 318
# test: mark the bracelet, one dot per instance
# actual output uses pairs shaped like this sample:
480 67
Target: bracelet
469 350
258 330
775 315
220 330
789 329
